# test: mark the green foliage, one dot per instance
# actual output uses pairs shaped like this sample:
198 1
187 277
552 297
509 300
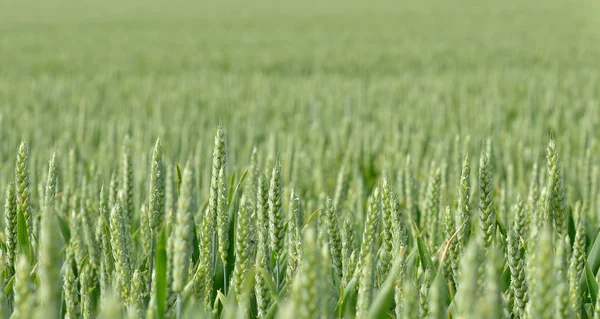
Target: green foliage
356 125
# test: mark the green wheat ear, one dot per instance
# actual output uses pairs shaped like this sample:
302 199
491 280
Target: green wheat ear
334 239
23 195
24 290
120 250
410 303
223 224
49 293
487 214
70 291
294 242
127 181
371 223
385 251
156 202
306 286
87 285
183 232
516 263
276 221
10 229
432 208
463 221
107 262
263 297
242 249
541 303
556 193
561 294
470 274
577 262
218 164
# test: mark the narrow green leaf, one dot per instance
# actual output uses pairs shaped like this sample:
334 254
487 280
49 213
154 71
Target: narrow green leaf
593 262
178 169
9 286
382 303
230 189
591 282
347 304
272 310
23 237
424 254
161 273
64 228
311 217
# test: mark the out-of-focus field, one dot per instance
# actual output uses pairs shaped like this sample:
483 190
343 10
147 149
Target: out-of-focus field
153 62
347 96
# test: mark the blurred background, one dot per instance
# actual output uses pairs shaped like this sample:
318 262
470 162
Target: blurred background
83 74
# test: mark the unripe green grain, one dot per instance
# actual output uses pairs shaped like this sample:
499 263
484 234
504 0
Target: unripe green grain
252 180
276 220
70 289
487 215
106 262
137 295
222 222
532 199
371 223
218 164
263 297
385 251
449 230
542 292
23 194
10 229
556 193
203 281
432 208
294 243
170 192
516 264
87 225
183 232
365 289
562 301
334 242
463 221
491 304
242 251
127 181
348 250
424 286
49 251
437 299
469 276
410 302
111 306
307 285
87 285
577 262
120 250
24 291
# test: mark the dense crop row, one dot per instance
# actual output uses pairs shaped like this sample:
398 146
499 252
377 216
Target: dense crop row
458 244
